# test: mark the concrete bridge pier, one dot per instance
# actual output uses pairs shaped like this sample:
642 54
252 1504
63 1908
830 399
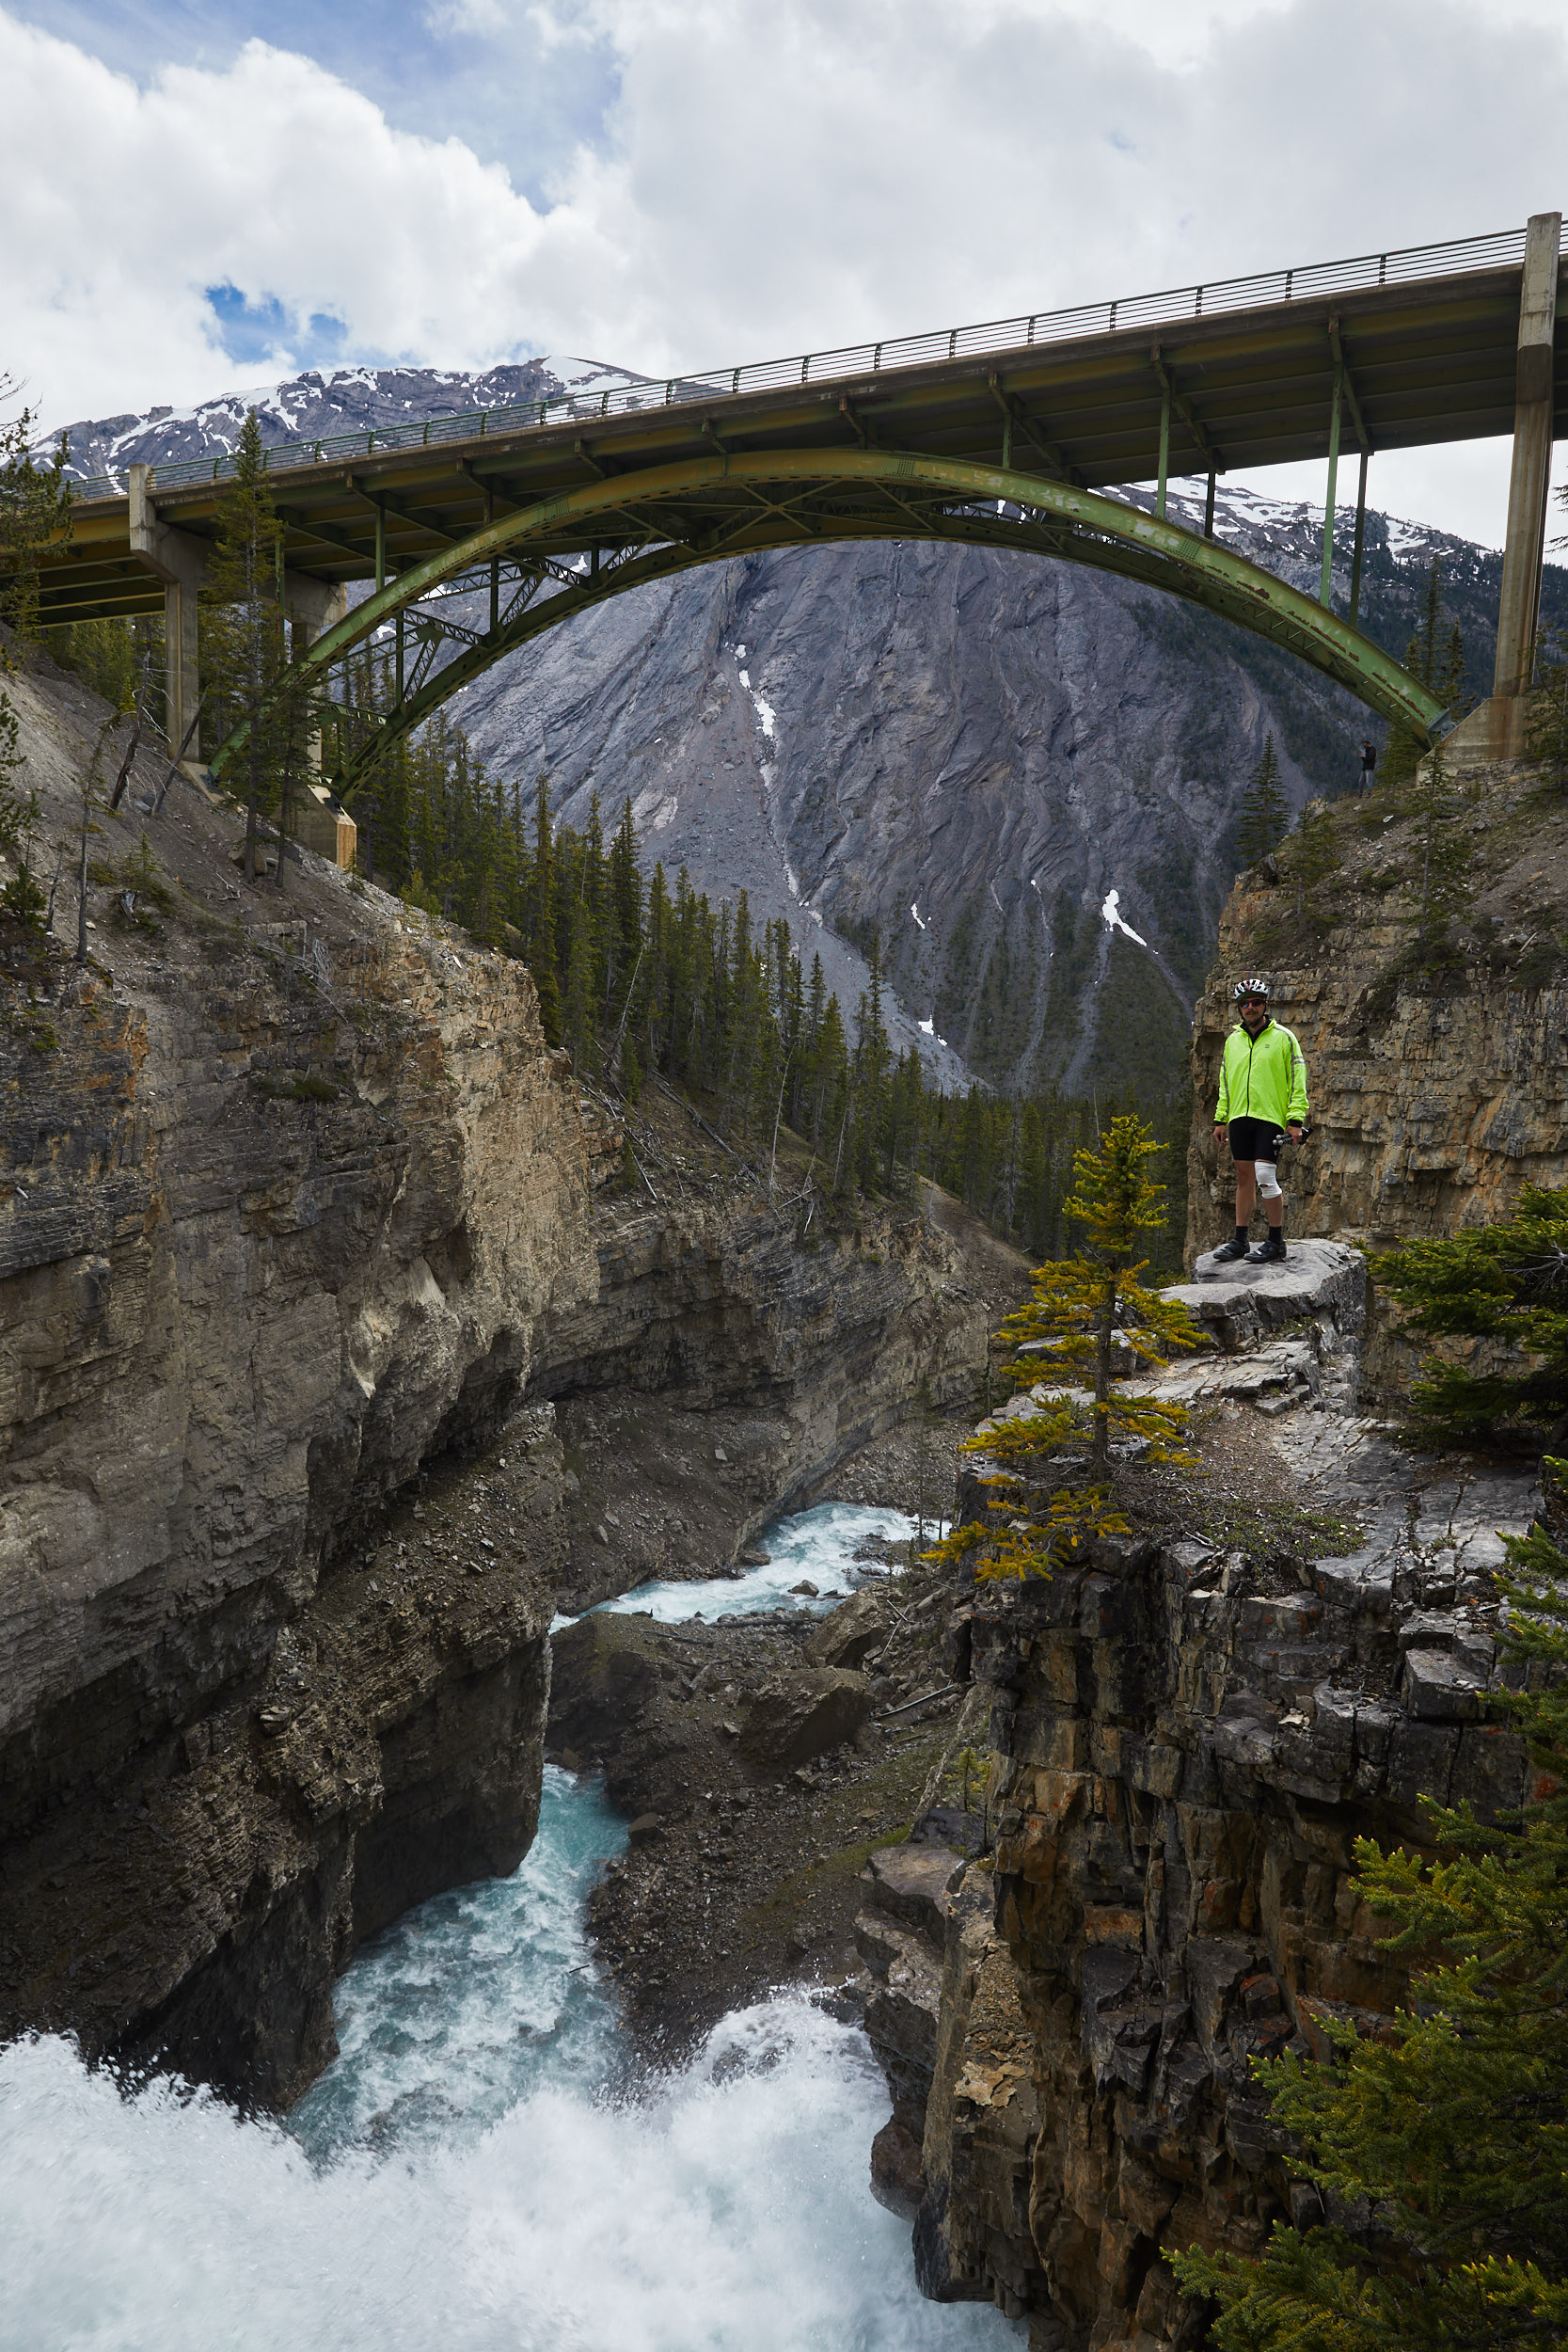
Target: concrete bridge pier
322 822
180 559
1495 729
313 607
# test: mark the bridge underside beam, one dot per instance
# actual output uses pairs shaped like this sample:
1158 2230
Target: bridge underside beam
666 518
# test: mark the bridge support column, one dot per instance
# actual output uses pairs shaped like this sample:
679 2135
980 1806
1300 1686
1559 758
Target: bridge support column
322 822
182 683
1495 729
180 559
1360 541
1325 585
313 607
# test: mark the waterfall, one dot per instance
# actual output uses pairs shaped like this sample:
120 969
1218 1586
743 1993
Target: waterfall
482 2169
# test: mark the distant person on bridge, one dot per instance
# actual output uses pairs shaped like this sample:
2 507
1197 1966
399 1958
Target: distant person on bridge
1262 1100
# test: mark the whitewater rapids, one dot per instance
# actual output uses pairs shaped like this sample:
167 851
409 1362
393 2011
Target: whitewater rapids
480 2171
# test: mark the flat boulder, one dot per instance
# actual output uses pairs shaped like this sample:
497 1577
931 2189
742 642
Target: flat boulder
911 1882
856 1626
802 1713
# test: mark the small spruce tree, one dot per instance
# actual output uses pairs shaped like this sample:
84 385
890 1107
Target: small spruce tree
1082 1307
1506 1283
35 509
1261 819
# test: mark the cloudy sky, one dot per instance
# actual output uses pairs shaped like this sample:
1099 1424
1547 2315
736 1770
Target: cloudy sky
213 195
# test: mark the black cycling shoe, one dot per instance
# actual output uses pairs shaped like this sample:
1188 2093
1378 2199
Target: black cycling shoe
1270 1252
1227 1252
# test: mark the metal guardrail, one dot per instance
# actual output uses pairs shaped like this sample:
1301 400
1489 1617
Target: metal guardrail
1406 266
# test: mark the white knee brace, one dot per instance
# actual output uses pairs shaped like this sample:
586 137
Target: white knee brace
1268 1179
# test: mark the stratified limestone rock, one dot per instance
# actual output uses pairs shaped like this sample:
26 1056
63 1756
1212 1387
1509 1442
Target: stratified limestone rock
792 1717
1438 1087
276 1234
731 1350
857 1625
1183 1752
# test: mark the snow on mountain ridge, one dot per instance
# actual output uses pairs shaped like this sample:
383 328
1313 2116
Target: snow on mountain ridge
324 401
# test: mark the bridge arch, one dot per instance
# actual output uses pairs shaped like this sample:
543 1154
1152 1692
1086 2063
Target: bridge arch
659 520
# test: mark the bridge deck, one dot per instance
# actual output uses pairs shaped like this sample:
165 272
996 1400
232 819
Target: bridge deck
1430 359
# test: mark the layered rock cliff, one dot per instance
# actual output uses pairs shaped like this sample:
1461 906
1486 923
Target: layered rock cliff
289 1186
1185 1737
737 1346
302 1216
1437 1055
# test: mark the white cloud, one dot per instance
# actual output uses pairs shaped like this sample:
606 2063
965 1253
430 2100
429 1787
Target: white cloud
772 178
272 176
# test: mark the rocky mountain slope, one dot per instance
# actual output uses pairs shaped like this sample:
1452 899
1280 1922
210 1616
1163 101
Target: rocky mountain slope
965 752
299 1209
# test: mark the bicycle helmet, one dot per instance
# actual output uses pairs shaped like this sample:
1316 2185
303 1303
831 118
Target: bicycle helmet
1254 987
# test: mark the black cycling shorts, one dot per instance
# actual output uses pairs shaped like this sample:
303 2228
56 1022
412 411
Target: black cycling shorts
1256 1139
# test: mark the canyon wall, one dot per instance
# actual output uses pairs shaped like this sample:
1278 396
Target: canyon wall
1437 1063
1186 1741
279 1227
737 1347
300 1216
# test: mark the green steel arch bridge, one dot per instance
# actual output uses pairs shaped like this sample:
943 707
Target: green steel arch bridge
1018 434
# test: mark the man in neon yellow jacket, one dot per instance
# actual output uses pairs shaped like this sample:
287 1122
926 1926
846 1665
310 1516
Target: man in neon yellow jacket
1262 1100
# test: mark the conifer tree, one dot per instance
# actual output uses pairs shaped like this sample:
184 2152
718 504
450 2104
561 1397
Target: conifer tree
1264 812
541 931
35 509
1083 1308
1505 1282
245 651
625 901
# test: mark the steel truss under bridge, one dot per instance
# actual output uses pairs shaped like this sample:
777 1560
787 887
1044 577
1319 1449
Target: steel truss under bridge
667 518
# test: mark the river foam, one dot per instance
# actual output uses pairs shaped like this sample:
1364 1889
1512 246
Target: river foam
479 2171
818 1546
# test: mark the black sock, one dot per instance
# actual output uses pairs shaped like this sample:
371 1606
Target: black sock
1241 1232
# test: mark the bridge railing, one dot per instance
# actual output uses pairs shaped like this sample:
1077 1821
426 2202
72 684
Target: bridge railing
1406 266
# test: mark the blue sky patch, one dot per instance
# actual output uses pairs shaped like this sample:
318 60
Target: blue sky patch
251 332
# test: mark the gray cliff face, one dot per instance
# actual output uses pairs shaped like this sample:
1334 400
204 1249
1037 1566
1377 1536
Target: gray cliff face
279 1228
736 1349
965 752
1185 1744
1436 1094
297 1207
961 750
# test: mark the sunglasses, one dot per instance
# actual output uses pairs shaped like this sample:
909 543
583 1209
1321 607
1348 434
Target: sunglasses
1255 1000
